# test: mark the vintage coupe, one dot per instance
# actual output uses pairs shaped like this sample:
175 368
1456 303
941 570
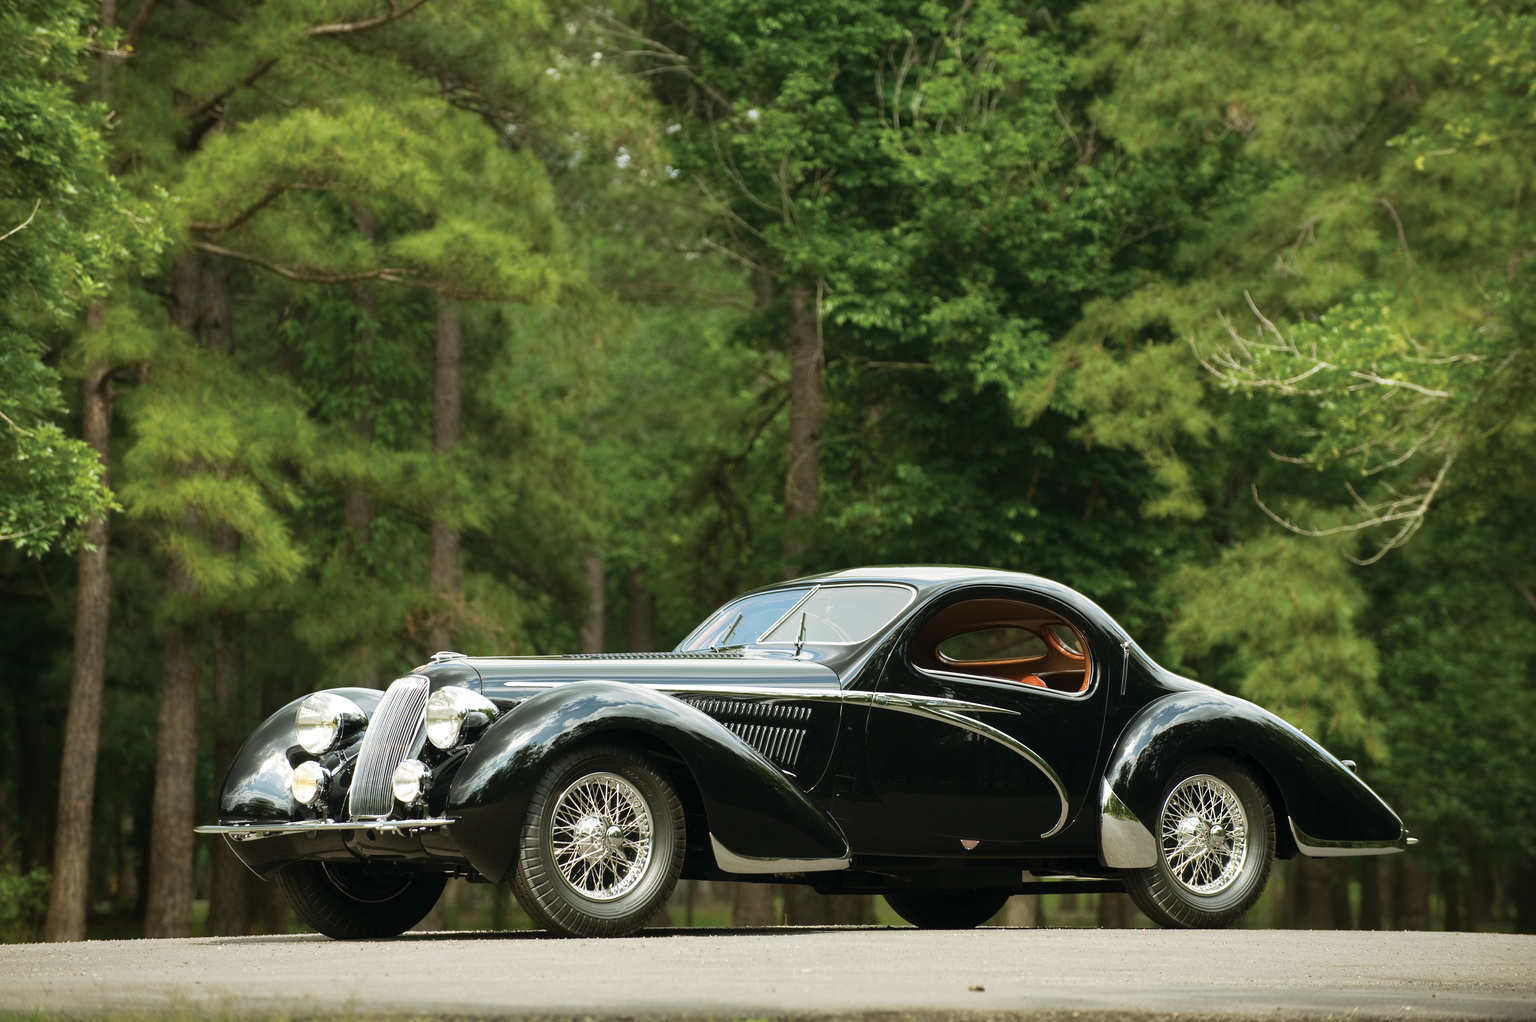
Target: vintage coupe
945 737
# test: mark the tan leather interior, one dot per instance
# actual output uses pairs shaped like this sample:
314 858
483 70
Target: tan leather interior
1059 668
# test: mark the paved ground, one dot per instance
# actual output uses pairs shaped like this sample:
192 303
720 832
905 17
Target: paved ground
872 973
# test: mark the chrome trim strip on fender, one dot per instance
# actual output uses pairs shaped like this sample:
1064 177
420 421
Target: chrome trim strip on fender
938 709
1323 848
948 711
734 863
252 831
1124 841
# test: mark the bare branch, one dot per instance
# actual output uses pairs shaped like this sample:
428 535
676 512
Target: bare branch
1402 236
202 106
389 274
12 423
260 204
1383 381
140 18
342 28
1530 598
1409 510
18 535
25 223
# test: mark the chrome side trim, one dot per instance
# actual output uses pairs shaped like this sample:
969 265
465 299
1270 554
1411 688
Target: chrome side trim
733 863
1124 841
939 709
1323 848
251 831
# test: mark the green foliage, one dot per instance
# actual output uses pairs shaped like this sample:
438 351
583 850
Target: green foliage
67 227
23 902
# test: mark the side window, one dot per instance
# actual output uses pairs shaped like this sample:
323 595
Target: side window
989 645
1004 640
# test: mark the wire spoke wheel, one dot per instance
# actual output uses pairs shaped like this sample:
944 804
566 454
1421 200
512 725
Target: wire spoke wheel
1215 836
602 845
1204 834
600 836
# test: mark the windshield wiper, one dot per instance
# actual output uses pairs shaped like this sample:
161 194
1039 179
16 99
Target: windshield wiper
800 642
727 636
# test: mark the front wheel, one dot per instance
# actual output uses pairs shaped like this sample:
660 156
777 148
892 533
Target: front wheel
602 845
1216 844
947 910
355 902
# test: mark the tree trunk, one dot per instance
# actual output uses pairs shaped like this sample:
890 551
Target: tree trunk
752 905
444 566
640 618
1523 891
68 900
1022 910
1372 888
802 469
594 613
1116 911
1410 896
1309 891
168 912
233 888
359 505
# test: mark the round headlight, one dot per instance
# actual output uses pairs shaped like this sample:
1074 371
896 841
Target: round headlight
451 710
309 782
321 718
411 780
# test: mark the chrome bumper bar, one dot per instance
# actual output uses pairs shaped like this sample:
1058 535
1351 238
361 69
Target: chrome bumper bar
252 831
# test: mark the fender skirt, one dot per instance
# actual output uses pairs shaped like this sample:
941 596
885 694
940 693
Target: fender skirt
753 810
1319 794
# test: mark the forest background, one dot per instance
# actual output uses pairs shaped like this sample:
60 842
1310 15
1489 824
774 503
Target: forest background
337 332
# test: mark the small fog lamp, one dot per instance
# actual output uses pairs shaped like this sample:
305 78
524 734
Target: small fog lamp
411 780
309 782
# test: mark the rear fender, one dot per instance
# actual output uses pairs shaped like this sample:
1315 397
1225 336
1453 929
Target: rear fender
760 821
1321 807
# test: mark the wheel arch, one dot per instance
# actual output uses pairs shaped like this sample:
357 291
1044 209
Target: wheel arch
748 805
1306 785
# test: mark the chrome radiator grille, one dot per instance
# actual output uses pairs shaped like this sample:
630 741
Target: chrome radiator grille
391 736
781 745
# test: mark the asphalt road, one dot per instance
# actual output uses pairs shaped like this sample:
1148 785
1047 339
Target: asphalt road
874 973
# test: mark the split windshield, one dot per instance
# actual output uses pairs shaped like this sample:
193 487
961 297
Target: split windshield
829 615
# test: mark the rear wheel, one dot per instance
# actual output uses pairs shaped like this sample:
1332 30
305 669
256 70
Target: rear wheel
354 902
947 910
1216 844
602 845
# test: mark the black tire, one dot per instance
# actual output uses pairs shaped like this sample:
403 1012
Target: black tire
356 902
1214 887
582 873
947 910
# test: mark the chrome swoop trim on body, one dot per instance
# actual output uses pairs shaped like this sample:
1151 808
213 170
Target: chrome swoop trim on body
733 863
1322 848
1125 841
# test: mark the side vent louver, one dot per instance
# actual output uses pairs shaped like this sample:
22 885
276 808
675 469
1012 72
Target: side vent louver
770 728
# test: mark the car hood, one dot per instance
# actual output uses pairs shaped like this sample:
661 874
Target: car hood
513 677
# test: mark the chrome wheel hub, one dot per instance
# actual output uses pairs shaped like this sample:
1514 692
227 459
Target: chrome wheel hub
1204 834
601 836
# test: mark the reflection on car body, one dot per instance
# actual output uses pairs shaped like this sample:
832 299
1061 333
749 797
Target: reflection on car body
945 737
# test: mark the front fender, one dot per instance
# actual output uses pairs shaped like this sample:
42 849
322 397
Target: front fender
1330 810
256 788
752 809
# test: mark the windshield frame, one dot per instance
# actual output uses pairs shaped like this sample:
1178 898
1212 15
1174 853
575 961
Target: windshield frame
910 590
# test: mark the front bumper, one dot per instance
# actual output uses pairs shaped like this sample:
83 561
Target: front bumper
252 831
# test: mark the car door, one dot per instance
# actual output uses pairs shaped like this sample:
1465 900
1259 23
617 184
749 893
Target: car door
1017 774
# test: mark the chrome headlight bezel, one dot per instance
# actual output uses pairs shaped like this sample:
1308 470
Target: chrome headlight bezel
310 778
411 782
453 711
323 719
